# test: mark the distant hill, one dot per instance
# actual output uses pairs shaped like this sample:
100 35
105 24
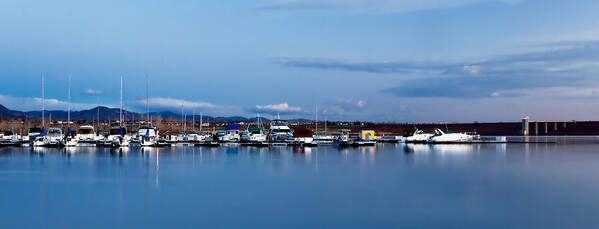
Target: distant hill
107 113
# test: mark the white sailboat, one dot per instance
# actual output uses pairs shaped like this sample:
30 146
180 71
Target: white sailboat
70 140
254 135
40 139
148 135
118 134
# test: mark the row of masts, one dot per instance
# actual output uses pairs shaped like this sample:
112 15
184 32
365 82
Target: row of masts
316 123
121 116
148 117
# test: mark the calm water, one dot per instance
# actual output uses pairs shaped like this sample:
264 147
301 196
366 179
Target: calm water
387 186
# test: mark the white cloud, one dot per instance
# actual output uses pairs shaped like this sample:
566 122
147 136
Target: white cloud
31 104
282 108
472 69
172 104
369 6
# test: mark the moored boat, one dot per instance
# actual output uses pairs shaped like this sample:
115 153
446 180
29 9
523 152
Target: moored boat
280 131
442 137
416 136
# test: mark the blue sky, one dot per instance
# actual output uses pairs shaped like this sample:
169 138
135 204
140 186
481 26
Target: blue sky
387 60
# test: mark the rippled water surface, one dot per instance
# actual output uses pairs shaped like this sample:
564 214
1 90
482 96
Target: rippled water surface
553 185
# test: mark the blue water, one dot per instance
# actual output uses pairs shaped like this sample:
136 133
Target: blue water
386 186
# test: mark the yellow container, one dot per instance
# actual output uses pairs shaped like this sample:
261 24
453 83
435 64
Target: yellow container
367 135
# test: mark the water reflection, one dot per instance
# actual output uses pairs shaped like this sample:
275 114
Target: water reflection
493 184
453 149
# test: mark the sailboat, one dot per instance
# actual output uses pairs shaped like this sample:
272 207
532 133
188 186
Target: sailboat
40 139
182 137
118 136
254 135
323 139
205 139
70 140
148 134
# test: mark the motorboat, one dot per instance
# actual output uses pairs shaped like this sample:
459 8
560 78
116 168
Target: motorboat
86 134
53 138
32 134
196 137
345 138
280 131
417 136
231 134
10 137
322 139
253 135
303 136
148 136
442 137
118 136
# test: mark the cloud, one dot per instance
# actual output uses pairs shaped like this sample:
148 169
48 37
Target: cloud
340 107
35 104
172 104
349 103
93 92
558 64
365 66
368 6
274 109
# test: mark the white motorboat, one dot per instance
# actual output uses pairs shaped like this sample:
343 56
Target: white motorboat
443 137
148 136
324 139
303 136
253 135
417 136
280 131
53 138
231 134
118 136
10 137
86 134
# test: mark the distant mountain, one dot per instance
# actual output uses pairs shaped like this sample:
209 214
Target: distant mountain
5 113
107 113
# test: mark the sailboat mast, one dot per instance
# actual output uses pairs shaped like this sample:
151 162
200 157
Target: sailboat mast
316 108
69 106
201 114
183 122
121 110
193 121
43 103
325 124
147 100
98 111
259 122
